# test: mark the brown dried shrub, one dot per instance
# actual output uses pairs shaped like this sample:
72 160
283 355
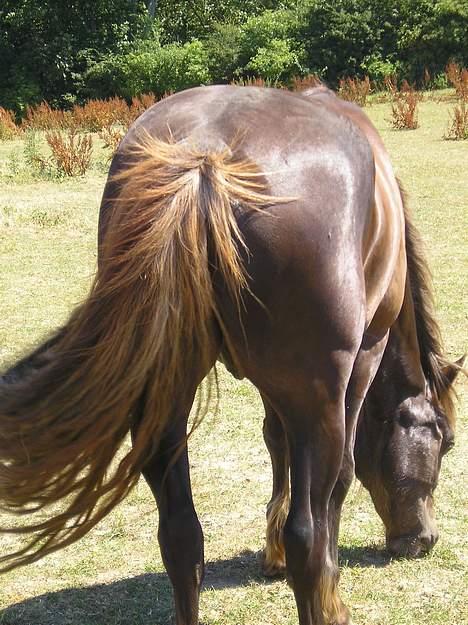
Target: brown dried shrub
458 123
404 104
458 77
44 117
111 137
8 128
391 86
427 79
355 90
305 82
71 152
252 81
138 106
141 103
97 114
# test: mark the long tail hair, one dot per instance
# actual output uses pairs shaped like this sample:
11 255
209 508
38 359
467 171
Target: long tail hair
66 409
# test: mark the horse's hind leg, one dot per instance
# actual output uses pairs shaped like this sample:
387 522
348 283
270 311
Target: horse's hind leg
274 559
179 533
313 412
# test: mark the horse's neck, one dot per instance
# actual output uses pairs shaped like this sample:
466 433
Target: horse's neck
400 374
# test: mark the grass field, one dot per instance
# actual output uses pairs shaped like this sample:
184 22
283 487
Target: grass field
114 576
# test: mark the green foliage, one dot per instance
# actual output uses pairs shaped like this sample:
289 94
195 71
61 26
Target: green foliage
377 68
224 52
415 35
63 52
37 164
431 33
275 61
338 36
46 46
181 23
271 47
152 68
439 81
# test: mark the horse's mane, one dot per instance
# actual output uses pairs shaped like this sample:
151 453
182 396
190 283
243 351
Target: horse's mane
428 330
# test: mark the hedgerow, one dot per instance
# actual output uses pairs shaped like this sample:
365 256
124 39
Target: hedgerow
91 51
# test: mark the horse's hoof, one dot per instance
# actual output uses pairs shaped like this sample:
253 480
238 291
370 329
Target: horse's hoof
273 569
274 572
344 618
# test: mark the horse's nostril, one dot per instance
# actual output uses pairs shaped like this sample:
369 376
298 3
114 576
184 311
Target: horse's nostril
429 540
412 546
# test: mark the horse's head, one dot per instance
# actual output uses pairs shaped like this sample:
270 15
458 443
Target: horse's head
398 452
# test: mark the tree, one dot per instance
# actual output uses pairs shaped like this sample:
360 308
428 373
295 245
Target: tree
184 20
46 46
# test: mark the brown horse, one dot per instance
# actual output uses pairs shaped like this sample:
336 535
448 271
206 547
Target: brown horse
265 228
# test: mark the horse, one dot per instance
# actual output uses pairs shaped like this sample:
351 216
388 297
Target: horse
266 229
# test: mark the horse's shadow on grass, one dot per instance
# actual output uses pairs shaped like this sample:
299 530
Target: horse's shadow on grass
147 599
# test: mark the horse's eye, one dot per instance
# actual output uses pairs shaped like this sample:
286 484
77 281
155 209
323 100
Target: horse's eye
435 430
404 419
447 444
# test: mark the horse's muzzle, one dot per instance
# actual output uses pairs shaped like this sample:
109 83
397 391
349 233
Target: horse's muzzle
412 546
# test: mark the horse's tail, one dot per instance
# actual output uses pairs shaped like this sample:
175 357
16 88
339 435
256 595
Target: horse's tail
65 411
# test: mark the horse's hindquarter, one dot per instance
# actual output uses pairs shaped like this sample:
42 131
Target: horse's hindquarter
383 253
384 256
322 265
305 256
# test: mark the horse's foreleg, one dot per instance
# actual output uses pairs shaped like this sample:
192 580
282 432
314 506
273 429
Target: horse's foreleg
180 535
364 370
274 560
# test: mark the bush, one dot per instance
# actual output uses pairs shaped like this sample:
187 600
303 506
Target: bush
8 127
458 78
45 47
274 62
152 68
439 81
378 69
111 137
301 83
270 46
21 94
224 52
458 125
92 116
258 31
404 105
139 105
354 90
38 165
252 81
44 117
430 33
338 37
71 153
97 114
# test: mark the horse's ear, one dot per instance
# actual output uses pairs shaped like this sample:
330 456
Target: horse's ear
453 369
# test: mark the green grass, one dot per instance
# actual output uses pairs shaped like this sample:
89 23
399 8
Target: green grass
114 576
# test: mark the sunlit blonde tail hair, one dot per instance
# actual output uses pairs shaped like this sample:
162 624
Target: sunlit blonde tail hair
65 410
